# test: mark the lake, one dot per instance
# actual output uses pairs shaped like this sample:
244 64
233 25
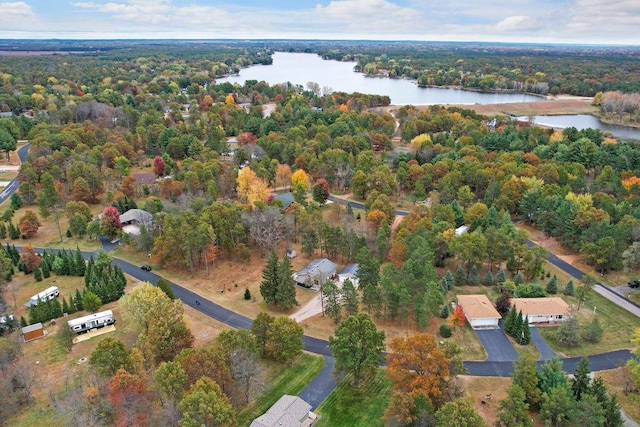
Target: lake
302 68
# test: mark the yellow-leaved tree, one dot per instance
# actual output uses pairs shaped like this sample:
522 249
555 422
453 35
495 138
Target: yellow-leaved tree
251 188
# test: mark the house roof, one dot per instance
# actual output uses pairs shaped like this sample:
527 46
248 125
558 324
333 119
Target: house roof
31 328
285 198
288 411
318 266
350 269
144 178
477 307
138 215
550 306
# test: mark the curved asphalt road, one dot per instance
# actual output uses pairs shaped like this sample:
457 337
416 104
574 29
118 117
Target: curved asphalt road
14 184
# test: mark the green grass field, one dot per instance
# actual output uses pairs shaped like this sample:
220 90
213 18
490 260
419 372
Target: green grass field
290 380
356 406
618 325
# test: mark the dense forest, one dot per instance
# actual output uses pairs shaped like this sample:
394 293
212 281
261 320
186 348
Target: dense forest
94 117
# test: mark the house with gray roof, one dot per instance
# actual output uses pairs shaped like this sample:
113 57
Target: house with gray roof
315 273
285 198
350 272
288 411
133 218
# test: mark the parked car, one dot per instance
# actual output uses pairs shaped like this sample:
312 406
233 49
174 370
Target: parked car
146 267
634 284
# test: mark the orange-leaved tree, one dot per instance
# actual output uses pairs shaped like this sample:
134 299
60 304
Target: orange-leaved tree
416 366
457 317
130 398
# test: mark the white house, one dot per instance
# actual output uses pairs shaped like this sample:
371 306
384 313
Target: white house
542 310
349 272
479 311
315 273
461 230
288 411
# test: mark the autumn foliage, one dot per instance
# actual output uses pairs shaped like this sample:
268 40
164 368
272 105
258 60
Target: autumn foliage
457 317
28 224
130 399
158 166
251 188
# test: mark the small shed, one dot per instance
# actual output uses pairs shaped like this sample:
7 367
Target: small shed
479 311
461 230
285 198
288 411
291 253
33 332
542 310
315 273
350 272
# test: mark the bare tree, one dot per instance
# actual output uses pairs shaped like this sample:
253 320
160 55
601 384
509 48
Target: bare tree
266 226
244 371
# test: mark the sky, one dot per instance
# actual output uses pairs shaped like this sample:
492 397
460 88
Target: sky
515 21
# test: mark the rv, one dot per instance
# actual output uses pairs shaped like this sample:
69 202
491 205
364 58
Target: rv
95 320
46 295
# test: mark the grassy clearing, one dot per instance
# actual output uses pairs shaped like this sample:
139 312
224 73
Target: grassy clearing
356 406
630 402
290 380
618 325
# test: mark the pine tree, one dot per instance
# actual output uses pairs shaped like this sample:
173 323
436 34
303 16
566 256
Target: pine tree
460 277
14 233
37 274
451 281
247 294
65 305
350 298
446 311
552 286
269 285
46 270
23 322
77 300
166 288
501 276
509 319
568 289
3 231
581 381
488 279
79 265
525 336
285 296
474 276
89 271
518 279
516 328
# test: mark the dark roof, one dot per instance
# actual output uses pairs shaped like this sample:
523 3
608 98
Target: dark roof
285 198
144 178
350 269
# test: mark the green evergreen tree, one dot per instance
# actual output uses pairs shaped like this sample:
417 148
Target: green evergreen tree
449 279
350 298
474 276
488 279
3 230
509 320
14 233
460 277
23 322
581 381
446 311
552 286
285 296
166 288
270 279
516 328
568 289
525 374
501 276
46 271
525 336
79 265
593 332
89 271
77 300
247 294
513 411
37 274
68 233
518 279
65 305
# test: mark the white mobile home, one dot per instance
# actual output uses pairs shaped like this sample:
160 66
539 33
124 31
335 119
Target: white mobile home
92 321
46 295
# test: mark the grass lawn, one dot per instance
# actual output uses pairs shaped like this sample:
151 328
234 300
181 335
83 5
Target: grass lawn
618 325
356 406
630 402
284 380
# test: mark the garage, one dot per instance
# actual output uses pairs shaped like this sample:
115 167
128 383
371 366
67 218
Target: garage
479 311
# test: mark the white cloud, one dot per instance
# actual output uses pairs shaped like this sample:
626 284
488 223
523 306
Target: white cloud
15 15
369 15
518 23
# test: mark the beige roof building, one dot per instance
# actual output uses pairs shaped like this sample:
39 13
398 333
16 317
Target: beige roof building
479 311
288 411
542 310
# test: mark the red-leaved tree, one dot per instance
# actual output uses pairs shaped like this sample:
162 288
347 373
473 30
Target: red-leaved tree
457 317
110 224
158 166
130 399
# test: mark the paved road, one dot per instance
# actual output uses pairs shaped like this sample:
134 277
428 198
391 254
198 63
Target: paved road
13 185
546 353
316 391
498 346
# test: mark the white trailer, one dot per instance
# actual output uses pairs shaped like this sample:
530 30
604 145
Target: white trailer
92 321
46 295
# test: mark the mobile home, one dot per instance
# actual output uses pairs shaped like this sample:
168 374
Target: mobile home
92 321
46 295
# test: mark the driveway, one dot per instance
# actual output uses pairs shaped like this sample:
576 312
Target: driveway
498 346
545 351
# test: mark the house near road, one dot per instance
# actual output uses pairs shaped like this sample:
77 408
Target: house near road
542 310
288 411
315 273
349 272
133 218
479 311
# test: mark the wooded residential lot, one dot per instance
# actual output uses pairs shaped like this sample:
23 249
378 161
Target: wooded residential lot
134 154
